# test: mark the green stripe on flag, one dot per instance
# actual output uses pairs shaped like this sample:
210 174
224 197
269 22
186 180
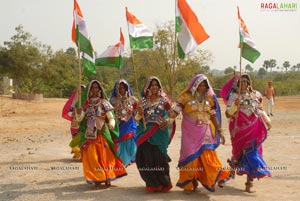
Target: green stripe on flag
249 53
85 44
89 67
116 62
141 42
178 24
180 51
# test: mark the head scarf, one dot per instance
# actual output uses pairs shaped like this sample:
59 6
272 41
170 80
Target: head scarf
232 85
101 90
145 91
247 77
115 91
194 84
192 88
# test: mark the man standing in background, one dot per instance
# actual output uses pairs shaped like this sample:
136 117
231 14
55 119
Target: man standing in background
270 94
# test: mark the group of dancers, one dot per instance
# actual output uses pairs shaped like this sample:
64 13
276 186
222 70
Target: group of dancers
110 133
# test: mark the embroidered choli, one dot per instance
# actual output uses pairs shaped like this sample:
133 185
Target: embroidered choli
200 111
96 109
124 107
155 111
250 102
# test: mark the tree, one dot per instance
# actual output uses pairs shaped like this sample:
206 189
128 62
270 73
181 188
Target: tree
261 72
269 64
229 70
35 69
248 68
286 65
26 57
234 67
71 51
278 68
272 65
4 62
60 74
298 66
266 64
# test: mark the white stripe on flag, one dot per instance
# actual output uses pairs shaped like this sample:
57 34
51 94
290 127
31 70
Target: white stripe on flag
138 30
186 40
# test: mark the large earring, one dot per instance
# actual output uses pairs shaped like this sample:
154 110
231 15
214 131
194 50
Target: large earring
99 94
197 95
159 92
149 92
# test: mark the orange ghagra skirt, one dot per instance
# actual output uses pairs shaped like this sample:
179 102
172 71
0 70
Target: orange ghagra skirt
100 163
207 169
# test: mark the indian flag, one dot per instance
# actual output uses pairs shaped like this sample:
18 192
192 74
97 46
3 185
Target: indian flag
139 35
112 56
190 31
79 31
88 64
248 49
66 111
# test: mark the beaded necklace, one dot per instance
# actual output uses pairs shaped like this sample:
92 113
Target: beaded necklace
201 100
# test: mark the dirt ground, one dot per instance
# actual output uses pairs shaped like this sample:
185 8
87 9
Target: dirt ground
36 163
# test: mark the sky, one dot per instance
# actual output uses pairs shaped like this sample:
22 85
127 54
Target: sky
276 33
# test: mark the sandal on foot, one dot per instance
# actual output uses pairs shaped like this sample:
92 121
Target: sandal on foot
166 189
152 189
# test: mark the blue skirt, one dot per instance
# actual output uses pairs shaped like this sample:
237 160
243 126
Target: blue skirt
253 165
127 150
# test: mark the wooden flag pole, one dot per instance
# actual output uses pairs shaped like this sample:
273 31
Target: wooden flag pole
239 90
120 50
134 74
137 87
135 77
79 75
173 68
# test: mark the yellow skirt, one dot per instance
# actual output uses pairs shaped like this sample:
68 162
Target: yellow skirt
207 169
75 148
100 163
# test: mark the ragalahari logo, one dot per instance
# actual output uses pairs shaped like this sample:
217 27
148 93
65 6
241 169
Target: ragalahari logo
278 6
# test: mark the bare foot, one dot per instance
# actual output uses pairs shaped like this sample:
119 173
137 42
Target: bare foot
249 185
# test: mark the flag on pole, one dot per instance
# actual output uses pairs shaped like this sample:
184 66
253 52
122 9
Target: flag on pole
113 55
72 103
79 31
66 111
190 31
249 51
139 35
80 36
88 64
